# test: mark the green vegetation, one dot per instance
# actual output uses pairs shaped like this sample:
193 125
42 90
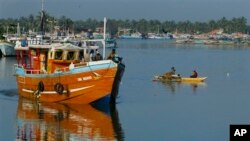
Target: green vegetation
1 32
144 26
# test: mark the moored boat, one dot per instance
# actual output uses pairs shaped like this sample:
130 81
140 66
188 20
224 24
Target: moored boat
54 73
62 73
7 49
111 43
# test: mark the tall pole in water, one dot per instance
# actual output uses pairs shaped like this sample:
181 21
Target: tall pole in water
104 37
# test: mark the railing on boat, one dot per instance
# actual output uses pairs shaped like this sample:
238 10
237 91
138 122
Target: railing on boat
29 70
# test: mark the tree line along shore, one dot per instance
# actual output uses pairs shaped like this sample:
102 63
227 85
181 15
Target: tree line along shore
143 26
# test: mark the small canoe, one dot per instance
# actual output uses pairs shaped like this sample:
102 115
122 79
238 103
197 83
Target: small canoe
198 79
179 79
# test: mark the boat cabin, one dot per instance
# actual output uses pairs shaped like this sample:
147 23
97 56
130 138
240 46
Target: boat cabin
50 58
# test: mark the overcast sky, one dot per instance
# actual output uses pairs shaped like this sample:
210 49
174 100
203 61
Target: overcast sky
178 10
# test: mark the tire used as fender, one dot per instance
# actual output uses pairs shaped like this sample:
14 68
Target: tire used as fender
40 86
59 88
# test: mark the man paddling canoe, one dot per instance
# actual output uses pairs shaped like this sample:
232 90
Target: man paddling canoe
171 74
194 75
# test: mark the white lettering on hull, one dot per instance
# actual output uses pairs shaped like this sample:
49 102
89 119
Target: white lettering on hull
84 78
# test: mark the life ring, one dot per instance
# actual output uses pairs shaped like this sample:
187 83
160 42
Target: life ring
40 86
59 88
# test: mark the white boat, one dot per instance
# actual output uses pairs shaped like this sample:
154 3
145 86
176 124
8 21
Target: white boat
158 36
7 49
136 35
110 43
7 45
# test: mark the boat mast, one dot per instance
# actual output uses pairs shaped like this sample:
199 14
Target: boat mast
104 36
42 18
42 5
7 30
18 30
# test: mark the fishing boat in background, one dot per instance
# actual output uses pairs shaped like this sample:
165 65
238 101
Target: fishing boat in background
8 43
111 43
136 35
7 49
60 72
54 121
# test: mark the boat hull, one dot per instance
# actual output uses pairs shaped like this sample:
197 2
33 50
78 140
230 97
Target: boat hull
7 49
110 45
180 79
198 79
80 88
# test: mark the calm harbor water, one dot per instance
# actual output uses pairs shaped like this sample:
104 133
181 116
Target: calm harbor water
145 110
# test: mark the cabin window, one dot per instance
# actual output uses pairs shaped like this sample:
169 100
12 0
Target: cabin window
33 52
58 55
50 55
70 55
81 56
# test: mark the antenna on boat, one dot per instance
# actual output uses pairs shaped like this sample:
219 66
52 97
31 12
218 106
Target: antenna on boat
104 36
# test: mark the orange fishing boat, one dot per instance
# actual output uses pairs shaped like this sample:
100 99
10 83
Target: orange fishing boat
55 121
56 72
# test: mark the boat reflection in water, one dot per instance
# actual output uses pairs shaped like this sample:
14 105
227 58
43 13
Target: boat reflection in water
53 121
172 86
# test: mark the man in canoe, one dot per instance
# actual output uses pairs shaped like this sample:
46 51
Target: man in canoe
112 54
171 74
194 75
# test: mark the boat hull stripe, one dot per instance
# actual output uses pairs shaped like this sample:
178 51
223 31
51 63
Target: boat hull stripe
54 92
